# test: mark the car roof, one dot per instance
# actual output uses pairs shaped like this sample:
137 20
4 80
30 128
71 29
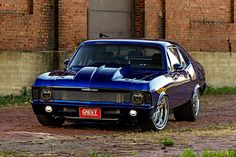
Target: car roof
130 41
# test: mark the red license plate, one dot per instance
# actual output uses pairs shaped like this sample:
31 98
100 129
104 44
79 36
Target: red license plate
90 113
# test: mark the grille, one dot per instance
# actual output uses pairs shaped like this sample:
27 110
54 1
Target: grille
91 96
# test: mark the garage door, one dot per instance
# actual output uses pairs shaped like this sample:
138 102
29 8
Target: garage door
110 17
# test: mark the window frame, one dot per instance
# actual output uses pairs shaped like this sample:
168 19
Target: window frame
184 54
181 57
170 64
152 46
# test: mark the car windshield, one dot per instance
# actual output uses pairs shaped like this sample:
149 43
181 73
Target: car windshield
105 54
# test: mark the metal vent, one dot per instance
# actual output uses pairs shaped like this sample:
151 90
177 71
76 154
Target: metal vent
91 96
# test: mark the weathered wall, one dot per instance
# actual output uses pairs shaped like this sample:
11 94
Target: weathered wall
177 21
42 25
220 67
204 25
211 23
154 14
26 25
19 69
201 25
15 6
139 16
72 23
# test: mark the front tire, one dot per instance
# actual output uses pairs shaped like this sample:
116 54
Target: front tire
50 120
159 118
190 110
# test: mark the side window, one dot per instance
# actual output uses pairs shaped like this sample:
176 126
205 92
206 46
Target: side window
168 63
149 51
173 56
183 53
182 60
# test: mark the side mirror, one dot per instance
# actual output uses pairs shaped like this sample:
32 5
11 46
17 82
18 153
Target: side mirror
178 67
66 61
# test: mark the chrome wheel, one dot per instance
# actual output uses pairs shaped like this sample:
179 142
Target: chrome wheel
189 111
160 116
196 103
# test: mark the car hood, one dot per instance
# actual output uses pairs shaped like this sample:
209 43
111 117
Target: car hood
101 77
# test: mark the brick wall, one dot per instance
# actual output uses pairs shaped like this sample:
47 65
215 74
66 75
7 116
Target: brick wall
33 25
177 21
139 16
14 6
16 25
204 25
72 23
154 14
27 25
211 23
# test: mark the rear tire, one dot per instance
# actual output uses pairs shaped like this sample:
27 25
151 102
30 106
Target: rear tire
190 110
159 118
50 120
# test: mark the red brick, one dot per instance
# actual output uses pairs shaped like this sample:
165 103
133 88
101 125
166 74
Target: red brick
199 25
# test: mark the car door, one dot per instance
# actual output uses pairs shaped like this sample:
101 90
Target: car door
179 89
189 69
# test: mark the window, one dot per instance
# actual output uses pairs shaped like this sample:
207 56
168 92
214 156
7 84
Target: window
183 53
173 56
177 56
182 60
137 56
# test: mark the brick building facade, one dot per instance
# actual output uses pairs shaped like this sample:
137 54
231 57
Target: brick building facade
30 25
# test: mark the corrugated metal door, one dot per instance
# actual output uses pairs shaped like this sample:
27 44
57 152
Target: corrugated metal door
110 17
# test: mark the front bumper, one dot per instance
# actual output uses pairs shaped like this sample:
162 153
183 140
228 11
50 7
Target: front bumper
108 112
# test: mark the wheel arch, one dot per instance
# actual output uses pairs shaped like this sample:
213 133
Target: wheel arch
197 87
161 95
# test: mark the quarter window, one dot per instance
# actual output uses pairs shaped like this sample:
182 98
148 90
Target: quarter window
183 54
182 60
173 56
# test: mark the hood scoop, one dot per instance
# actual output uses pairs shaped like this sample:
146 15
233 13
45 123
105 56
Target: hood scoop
85 74
60 73
101 74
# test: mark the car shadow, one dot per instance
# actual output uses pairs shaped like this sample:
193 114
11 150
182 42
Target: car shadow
119 127
109 126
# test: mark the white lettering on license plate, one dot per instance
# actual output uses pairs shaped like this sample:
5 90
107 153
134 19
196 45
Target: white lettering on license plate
90 112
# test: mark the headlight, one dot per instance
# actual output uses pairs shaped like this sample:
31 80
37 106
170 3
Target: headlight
137 98
46 94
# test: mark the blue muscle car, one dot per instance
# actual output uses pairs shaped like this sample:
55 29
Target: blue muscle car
141 81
